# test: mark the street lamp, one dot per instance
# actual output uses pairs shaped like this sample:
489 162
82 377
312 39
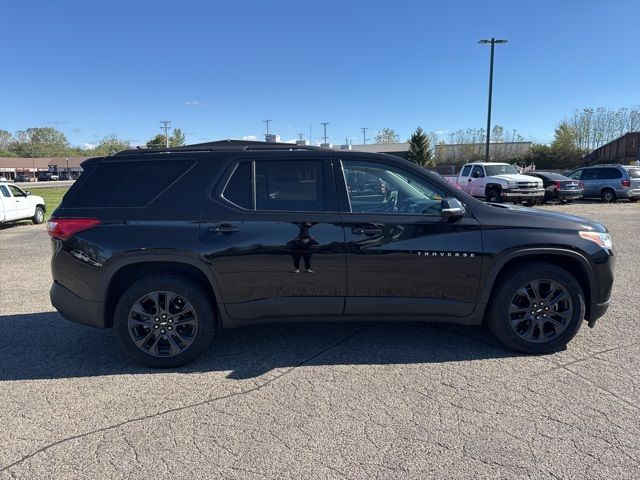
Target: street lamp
493 43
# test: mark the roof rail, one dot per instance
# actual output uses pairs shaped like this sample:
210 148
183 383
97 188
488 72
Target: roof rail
221 145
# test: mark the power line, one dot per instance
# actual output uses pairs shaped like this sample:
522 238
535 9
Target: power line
165 126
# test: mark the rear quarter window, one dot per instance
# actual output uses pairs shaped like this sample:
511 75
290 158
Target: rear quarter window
127 183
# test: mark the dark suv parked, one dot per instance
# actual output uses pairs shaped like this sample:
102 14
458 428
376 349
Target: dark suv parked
169 245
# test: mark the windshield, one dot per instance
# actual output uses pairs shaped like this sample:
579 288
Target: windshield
493 170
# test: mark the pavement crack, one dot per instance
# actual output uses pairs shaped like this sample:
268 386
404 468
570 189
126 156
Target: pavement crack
186 407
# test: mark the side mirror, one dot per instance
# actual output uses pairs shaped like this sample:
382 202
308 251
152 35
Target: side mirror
451 208
475 175
28 193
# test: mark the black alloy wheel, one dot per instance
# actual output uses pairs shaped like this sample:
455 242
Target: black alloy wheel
536 307
164 321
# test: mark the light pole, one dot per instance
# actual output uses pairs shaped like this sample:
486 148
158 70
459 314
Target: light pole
493 43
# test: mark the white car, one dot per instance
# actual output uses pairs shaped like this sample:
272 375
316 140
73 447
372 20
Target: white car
16 204
498 182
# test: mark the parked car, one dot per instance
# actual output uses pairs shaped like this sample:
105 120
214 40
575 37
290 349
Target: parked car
22 178
17 204
498 182
559 187
231 233
609 182
54 176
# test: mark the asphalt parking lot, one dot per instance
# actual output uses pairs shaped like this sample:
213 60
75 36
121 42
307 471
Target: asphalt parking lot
318 400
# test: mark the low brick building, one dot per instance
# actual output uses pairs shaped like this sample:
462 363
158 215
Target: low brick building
624 150
38 168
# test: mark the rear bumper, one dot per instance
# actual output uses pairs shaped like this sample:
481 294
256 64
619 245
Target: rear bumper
76 309
570 194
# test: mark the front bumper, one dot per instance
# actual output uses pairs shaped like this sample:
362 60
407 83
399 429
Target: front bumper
76 309
529 194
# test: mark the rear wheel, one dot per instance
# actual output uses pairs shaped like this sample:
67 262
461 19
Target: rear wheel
537 308
38 217
164 321
608 195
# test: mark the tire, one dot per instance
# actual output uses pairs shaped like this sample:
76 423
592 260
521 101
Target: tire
38 218
526 334
608 195
493 196
167 345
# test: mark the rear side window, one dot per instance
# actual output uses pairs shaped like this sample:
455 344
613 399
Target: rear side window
239 187
127 183
608 173
295 186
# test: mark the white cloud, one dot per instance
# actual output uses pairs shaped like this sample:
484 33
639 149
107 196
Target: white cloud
250 137
195 103
88 146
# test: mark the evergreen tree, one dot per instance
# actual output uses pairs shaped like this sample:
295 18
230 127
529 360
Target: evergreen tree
420 149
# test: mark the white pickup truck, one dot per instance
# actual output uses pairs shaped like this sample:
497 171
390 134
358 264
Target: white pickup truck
16 204
499 182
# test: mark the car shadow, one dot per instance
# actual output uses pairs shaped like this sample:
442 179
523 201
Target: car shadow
45 346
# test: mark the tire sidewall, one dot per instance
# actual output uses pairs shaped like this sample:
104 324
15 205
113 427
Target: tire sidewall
35 218
181 286
499 312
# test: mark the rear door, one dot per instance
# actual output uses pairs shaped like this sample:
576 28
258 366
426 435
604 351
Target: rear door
402 256
272 237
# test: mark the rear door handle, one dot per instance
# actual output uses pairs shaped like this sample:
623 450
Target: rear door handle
368 230
223 228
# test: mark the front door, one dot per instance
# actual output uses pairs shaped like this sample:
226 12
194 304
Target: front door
273 239
402 256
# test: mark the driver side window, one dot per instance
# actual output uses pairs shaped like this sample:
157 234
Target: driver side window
380 188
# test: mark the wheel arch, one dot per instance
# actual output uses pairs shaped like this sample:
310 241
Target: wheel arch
492 186
122 273
571 261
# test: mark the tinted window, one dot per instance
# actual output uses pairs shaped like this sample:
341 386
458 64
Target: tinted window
127 184
5 191
295 186
381 188
608 173
589 174
466 170
238 190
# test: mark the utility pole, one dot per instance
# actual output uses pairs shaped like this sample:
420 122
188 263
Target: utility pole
364 135
267 123
310 137
165 126
324 125
493 43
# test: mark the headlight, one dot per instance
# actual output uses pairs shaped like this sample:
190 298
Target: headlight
602 239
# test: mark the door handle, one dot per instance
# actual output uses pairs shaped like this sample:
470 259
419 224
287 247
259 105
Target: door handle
372 230
223 228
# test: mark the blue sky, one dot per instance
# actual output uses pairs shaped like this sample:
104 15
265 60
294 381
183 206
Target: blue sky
216 69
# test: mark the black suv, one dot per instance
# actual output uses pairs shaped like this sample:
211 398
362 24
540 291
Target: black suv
169 245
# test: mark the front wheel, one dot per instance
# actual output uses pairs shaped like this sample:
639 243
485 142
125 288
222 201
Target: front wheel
164 321
493 196
38 217
536 308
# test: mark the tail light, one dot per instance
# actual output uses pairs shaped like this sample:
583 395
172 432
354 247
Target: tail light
626 183
557 184
65 228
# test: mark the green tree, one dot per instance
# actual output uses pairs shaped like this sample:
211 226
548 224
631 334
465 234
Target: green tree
386 135
110 145
158 141
40 142
420 149
565 146
177 138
